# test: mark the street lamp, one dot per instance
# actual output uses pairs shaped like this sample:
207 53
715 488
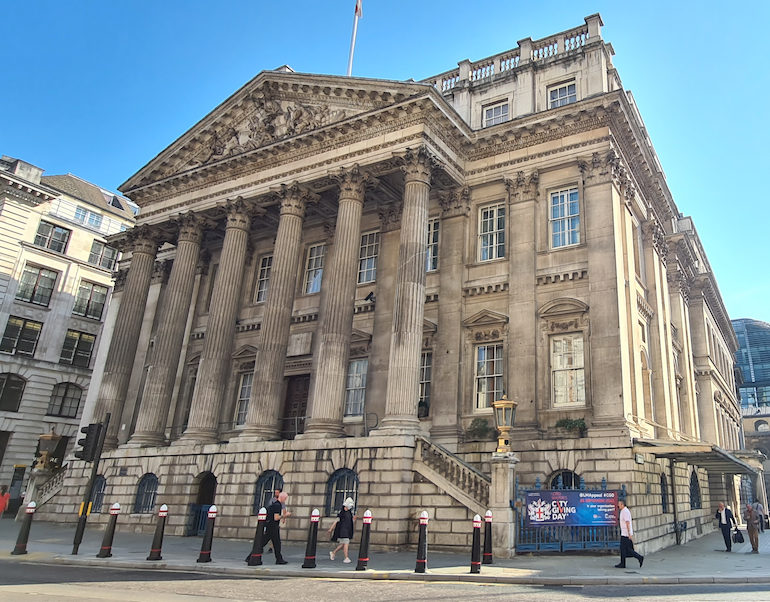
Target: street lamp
47 446
505 414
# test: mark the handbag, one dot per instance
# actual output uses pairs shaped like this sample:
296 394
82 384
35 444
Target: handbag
737 536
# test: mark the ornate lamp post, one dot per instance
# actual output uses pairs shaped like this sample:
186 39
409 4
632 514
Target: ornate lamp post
505 414
48 444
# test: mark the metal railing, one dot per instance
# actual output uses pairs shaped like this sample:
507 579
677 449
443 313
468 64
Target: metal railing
673 434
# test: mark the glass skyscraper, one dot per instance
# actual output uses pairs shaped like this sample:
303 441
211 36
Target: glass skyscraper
753 358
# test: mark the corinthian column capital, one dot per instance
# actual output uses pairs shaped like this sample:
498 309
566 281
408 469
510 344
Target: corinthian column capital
239 213
294 199
354 182
522 187
143 239
190 228
455 202
418 165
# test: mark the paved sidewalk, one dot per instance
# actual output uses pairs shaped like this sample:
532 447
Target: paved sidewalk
701 561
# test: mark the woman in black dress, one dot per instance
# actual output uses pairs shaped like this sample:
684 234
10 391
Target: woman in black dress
343 529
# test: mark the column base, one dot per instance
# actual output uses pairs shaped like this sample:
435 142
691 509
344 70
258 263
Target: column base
110 442
257 433
323 429
443 434
146 440
398 425
197 436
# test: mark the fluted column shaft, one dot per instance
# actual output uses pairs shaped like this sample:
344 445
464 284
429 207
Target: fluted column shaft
328 400
220 333
406 344
156 401
265 402
125 336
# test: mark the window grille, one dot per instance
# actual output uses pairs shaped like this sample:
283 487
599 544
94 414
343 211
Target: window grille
267 483
146 494
102 256
664 493
695 501
342 484
562 95
565 479
65 400
495 114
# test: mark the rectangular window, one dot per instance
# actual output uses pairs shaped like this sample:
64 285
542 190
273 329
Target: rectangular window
559 96
51 236
36 285
80 215
90 300
492 232
315 269
564 218
489 374
103 256
20 336
94 220
77 348
263 279
65 400
426 373
431 260
567 370
367 262
355 391
495 114
244 395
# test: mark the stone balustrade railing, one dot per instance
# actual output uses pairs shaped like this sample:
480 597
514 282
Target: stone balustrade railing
529 50
462 475
51 487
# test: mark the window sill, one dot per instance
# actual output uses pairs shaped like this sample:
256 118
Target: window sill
481 262
75 316
32 305
353 419
579 245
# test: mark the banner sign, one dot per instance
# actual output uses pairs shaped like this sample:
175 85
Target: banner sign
572 508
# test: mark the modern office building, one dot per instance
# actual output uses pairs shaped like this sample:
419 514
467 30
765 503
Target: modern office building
357 269
56 277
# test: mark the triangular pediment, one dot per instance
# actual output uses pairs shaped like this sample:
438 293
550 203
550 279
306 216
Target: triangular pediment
272 107
245 351
562 306
486 317
428 327
359 336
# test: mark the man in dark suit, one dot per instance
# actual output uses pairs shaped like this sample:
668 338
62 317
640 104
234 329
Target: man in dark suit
725 516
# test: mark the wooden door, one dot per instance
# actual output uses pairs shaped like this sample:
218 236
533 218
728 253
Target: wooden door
295 407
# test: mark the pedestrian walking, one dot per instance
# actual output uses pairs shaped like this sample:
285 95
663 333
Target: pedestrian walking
284 513
4 498
752 526
627 537
343 529
725 516
761 512
273 526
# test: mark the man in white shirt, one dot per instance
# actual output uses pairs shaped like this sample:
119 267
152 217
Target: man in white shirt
626 537
725 516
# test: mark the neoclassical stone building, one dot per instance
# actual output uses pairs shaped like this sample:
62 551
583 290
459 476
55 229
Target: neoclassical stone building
357 268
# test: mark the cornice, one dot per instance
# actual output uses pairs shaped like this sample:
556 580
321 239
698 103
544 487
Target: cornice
706 285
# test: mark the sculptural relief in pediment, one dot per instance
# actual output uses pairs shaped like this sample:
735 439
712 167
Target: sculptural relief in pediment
264 120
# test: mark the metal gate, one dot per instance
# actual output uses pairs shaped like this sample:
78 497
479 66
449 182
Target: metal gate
196 520
562 538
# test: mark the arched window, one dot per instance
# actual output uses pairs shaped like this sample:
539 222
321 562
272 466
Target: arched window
65 400
695 503
11 390
664 493
146 494
97 494
267 483
342 484
761 425
565 479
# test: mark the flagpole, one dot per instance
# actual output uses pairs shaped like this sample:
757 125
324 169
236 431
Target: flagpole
353 44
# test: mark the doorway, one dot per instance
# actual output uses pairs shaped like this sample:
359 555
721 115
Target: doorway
295 407
206 483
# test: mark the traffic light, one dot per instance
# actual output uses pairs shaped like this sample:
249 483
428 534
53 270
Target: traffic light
90 442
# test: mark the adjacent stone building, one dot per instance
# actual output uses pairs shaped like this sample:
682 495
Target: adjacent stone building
55 286
355 269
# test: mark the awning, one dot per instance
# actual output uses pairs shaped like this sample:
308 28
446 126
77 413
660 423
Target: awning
704 455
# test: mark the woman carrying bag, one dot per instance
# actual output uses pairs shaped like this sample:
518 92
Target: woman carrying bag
343 529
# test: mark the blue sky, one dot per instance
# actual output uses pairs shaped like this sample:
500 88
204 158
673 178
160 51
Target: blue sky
99 88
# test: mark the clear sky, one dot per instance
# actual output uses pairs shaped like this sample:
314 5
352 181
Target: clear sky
99 88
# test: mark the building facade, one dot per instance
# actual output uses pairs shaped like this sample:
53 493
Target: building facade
55 285
357 268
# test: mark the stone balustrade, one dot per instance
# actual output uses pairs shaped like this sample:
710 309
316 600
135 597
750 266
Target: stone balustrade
464 476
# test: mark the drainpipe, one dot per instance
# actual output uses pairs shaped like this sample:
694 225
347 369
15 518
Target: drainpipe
673 502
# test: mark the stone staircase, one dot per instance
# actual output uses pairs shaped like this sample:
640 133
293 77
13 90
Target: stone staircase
456 478
43 492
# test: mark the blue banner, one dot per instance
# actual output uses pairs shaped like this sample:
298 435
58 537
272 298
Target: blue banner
572 508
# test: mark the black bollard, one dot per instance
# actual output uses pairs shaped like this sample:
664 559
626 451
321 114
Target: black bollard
312 540
363 551
255 558
109 534
487 557
26 524
422 545
208 536
476 545
157 541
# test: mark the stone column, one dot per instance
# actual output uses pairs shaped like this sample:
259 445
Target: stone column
265 402
156 401
501 492
125 337
445 397
327 402
522 298
406 343
220 332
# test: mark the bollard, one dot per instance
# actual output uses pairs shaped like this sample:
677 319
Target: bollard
208 536
487 557
476 545
363 551
109 534
255 558
26 524
312 540
422 545
157 541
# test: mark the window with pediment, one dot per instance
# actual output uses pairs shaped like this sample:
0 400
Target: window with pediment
486 341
